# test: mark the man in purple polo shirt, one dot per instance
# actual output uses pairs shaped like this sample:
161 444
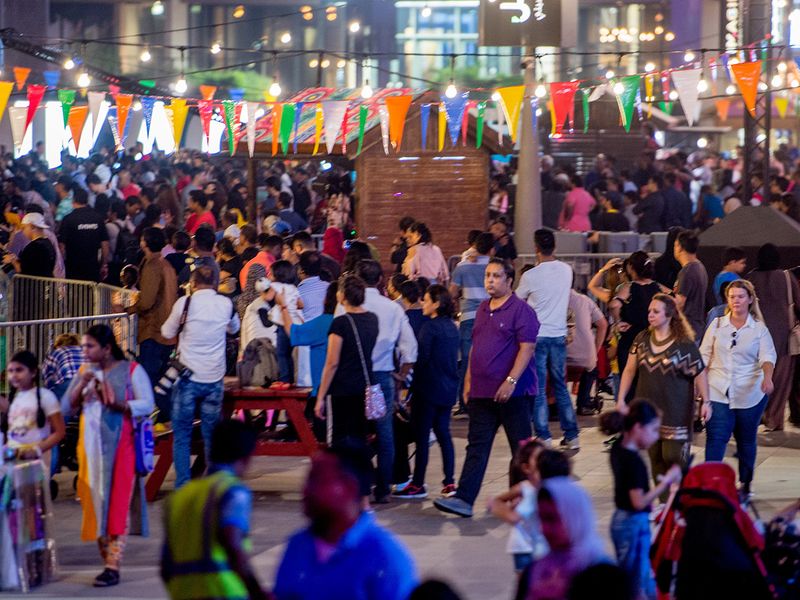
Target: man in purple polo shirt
500 381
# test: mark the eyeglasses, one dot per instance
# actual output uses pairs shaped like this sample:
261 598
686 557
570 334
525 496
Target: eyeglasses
733 341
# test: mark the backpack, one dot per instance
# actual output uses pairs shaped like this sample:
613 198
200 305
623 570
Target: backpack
127 247
259 364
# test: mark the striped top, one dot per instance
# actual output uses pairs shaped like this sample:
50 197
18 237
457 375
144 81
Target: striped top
468 276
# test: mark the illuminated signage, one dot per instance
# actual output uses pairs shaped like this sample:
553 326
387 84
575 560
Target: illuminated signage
523 22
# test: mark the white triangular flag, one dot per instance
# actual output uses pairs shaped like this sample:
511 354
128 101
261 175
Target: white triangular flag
384 117
686 85
95 99
600 91
501 122
333 112
252 107
17 116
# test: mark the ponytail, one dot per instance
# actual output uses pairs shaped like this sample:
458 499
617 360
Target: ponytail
30 362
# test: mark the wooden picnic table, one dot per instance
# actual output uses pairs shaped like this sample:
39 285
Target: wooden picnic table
293 401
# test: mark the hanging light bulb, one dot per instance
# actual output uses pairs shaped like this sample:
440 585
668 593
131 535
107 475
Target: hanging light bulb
145 56
702 143
669 36
181 86
496 96
137 106
730 90
782 67
689 56
84 80
215 48
426 12
366 90
275 88
238 12
777 81
286 37
658 30
451 91
157 9
69 64
618 88
702 85
673 95
762 87
649 67
540 91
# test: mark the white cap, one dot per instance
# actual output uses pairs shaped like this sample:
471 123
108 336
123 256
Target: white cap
233 232
36 220
263 284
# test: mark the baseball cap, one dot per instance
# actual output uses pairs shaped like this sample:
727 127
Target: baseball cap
36 220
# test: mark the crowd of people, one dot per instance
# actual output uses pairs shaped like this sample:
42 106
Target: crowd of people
392 351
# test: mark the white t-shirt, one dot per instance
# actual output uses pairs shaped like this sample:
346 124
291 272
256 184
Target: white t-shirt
526 536
546 288
290 295
22 426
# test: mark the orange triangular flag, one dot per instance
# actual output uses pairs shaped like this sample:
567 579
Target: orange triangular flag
123 106
208 91
75 121
723 106
397 107
277 109
747 76
21 76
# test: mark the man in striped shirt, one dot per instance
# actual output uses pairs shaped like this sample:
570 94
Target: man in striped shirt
467 284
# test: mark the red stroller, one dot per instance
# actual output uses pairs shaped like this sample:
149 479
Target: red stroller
707 546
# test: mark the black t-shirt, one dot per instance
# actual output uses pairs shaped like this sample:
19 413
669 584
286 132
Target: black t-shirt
630 473
249 254
178 260
349 377
38 258
611 221
82 233
232 266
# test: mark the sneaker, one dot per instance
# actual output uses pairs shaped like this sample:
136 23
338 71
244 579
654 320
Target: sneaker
454 505
547 443
107 578
745 494
449 490
587 411
572 444
412 491
399 487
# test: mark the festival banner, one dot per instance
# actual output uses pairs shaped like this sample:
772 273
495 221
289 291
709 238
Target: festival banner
206 110
207 91
424 116
723 106
252 107
76 121
383 115
287 124
454 108
319 121
563 95
95 98
479 124
5 93
442 116
362 123
114 124
148 103
397 107
333 113
511 101
52 78
686 81
21 76
627 99
297 115
179 113
35 95
747 75
782 104
124 102
17 116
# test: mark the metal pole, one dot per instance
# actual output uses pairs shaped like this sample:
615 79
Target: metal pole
528 201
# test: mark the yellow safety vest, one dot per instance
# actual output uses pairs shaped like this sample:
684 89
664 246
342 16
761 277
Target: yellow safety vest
196 565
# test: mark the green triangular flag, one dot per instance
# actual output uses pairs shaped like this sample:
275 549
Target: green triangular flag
363 111
287 123
627 99
479 124
229 110
666 107
585 101
67 99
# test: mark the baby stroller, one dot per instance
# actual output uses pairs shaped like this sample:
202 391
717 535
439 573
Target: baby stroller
707 546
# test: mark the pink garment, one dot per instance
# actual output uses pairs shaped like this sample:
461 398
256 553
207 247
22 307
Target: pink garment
332 244
426 260
578 204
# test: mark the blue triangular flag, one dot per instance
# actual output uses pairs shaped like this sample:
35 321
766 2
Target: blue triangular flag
51 78
425 115
298 111
236 94
147 110
454 109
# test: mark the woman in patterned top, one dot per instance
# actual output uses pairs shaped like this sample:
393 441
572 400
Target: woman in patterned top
669 368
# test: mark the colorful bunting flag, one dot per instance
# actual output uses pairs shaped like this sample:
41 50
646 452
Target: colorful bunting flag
397 107
206 110
21 76
454 108
179 114
236 94
124 102
277 108
207 91
363 111
747 75
76 121
229 113
114 124
52 78
5 93
686 81
17 116
511 101
252 107
465 122
442 126
627 99
95 98
67 99
424 116
297 114
333 113
113 90
501 124
723 106
383 116
35 95
585 104
479 124
319 122
287 124
782 104
563 95
148 102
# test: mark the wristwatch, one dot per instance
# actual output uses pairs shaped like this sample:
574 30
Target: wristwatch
511 380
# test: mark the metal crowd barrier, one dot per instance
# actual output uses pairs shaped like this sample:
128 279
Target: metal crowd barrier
39 335
109 298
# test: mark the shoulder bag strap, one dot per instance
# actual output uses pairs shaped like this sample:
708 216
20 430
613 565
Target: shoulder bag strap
360 350
182 323
789 302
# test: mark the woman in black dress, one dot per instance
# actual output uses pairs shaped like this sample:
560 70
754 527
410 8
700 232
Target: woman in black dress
669 368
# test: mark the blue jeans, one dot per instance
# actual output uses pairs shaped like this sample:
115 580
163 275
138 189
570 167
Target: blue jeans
465 345
383 428
743 424
551 360
154 358
284 356
630 532
185 397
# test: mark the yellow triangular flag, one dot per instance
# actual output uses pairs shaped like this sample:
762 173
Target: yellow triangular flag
318 122
5 92
782 102
442 125
179 112
511 101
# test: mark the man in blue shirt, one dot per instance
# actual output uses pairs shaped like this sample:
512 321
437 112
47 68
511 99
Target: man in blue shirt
343 553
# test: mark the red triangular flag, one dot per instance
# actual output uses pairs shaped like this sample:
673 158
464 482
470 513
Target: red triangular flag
35 95
563 94
206 108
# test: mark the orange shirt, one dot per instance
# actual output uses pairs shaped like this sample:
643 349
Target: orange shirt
262 258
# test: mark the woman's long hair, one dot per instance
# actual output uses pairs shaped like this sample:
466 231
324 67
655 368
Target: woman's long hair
755 309
104 336
679 327
29 361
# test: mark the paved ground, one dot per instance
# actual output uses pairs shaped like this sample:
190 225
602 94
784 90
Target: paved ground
468 552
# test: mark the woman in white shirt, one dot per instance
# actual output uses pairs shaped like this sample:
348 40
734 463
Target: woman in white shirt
740 355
